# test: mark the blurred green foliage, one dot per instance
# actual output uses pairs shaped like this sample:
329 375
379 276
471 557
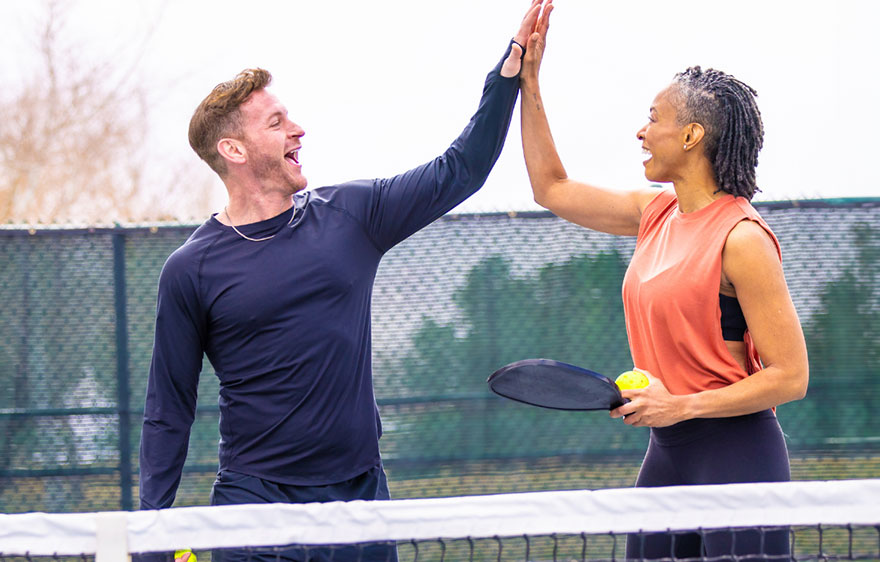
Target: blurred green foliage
451 305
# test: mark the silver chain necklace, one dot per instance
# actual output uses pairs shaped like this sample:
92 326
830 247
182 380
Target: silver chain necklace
263 239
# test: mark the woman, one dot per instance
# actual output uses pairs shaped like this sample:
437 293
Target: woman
708 313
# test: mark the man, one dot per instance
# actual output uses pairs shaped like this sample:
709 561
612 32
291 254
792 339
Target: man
276 291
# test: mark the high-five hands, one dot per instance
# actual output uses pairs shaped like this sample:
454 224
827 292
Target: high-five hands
537 40
530 23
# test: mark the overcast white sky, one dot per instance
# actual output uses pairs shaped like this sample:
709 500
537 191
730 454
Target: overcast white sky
381 87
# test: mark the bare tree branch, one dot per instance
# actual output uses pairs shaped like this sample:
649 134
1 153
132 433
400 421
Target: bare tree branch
73 139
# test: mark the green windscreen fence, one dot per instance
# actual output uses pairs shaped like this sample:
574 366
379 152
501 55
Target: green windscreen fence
453 303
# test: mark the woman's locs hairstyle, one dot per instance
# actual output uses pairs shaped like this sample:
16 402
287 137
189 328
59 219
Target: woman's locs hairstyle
727 110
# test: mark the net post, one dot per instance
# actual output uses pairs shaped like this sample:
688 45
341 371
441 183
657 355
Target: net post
111 537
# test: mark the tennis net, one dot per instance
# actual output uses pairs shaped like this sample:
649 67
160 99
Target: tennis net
828 520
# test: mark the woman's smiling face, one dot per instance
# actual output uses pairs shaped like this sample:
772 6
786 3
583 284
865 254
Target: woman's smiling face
662 139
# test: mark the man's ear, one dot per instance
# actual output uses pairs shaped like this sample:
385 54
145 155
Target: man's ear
232 150
692 134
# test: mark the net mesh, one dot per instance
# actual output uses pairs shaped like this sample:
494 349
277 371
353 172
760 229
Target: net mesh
451 304
829 520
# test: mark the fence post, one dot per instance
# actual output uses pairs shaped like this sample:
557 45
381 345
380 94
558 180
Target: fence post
123 402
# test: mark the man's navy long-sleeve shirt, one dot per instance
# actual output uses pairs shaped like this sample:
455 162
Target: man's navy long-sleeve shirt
286 322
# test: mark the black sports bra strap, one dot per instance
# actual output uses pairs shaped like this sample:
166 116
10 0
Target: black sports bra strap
733 321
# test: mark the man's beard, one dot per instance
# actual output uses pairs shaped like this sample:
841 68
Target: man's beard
273 172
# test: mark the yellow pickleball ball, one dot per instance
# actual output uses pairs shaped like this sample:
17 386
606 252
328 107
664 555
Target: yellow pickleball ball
631 379
179 553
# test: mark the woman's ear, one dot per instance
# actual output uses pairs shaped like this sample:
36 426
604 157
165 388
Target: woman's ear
692 134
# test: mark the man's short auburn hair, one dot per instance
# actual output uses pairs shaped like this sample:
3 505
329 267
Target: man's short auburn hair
218 115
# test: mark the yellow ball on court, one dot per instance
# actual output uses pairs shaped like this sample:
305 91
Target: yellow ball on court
631 379
179 553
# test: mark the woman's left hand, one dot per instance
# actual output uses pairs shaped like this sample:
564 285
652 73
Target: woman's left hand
651 406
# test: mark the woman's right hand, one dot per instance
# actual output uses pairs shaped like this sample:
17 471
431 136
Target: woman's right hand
596 208
535 47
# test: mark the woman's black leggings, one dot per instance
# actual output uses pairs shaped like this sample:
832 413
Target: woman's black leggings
740 449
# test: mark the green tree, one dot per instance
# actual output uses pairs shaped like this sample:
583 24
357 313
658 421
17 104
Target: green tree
582 320
571 311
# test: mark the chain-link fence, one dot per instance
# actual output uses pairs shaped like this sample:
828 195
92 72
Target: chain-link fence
451 304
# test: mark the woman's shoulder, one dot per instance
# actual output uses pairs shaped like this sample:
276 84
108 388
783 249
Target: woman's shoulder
752 235
658 202
659 197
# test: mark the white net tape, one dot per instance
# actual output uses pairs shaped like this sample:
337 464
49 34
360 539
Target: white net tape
842 502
